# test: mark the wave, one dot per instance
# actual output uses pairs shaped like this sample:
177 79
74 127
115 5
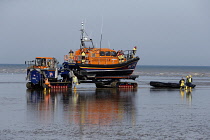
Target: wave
12 68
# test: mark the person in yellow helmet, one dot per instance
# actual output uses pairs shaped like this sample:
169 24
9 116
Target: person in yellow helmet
190 80
83 57
134 50
187 82
71 55
119 56
182 83
122 56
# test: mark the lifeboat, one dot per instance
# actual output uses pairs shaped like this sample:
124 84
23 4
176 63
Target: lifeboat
89 62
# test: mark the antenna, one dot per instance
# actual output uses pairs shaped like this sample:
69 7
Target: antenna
101 33
82 34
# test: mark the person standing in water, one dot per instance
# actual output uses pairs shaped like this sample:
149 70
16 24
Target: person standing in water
189 81
75 81
182 83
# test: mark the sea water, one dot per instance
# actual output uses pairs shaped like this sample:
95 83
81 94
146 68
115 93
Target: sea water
90 113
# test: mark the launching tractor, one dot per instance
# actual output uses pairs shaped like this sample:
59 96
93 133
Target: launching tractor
43 72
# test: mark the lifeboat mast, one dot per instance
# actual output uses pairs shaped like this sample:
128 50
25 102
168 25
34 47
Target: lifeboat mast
85 38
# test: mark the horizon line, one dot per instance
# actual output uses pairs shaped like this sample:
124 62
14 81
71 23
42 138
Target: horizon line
136 65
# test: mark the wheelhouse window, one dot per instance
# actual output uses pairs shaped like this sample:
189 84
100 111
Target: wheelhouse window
40 62
113 54
49 62
107 53
102 53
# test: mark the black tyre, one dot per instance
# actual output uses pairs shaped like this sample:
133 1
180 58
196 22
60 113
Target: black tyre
28 85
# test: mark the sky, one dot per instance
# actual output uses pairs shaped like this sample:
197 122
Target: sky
166 32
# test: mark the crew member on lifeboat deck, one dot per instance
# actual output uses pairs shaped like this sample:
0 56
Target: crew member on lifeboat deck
122 56
83 57
71 53
134 50
119 56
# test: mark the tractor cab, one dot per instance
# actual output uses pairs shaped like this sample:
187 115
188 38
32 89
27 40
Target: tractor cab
45 62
